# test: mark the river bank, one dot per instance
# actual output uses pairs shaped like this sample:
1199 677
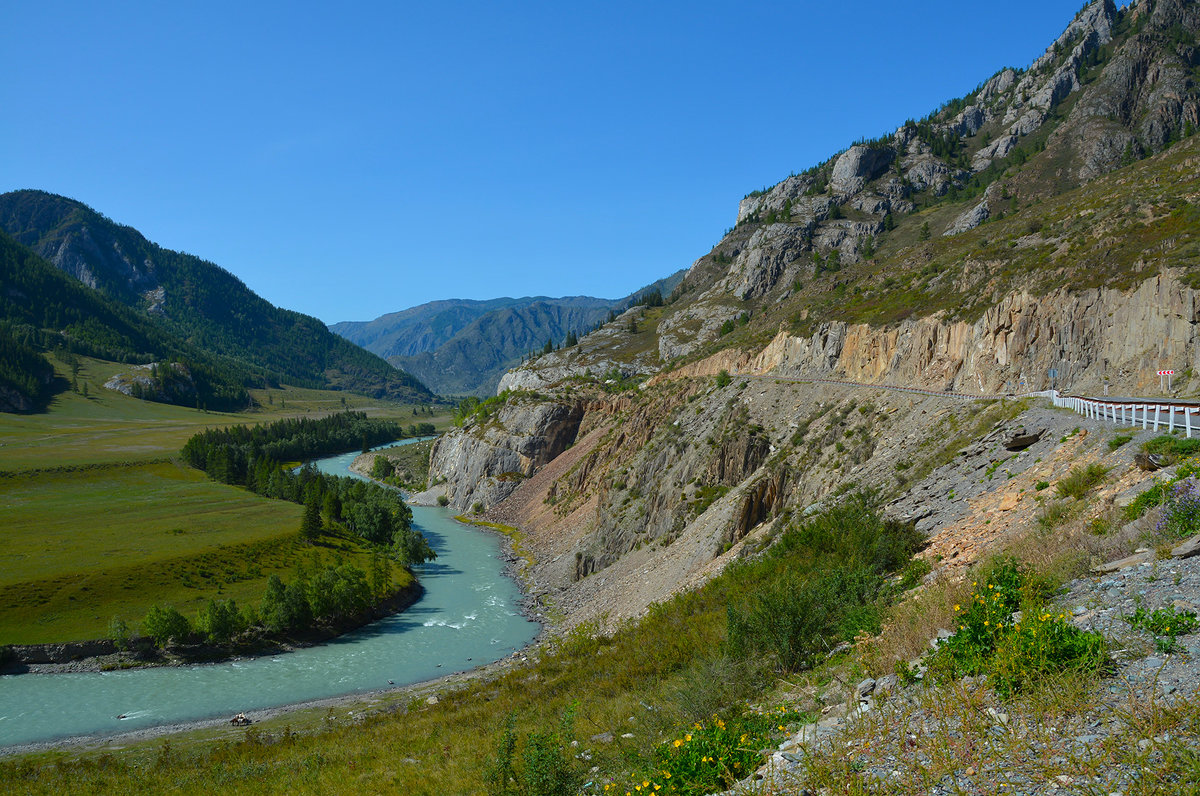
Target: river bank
473 611
103 655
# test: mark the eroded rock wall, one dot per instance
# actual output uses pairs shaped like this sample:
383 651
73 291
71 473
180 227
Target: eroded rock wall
1089 337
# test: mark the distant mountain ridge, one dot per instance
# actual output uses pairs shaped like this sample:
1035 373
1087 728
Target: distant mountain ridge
196 301
463 346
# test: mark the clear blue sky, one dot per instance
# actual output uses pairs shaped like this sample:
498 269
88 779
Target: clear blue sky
354 159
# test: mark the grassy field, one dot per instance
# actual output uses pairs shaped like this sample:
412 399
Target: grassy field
100 520
106 426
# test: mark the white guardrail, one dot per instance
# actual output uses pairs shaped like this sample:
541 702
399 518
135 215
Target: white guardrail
1131 413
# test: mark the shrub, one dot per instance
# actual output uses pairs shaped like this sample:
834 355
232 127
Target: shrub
220 621
1181 510
1118 441
713 756
545 767
1040 485
382 468
845 553
443 500
1081 480
1053 515
118 632
1015 651
723 379
1167 445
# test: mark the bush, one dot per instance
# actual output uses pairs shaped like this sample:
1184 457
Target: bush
821 583
382 468
118 632
1015 651
1118 441
1181 510
443 500
1081 480
723 379
165 624
220 621
713 756
1165 624
1167 445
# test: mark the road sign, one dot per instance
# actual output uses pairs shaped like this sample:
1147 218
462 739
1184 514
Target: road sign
1166 373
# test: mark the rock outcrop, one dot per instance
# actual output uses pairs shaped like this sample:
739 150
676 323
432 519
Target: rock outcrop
1084 335
486 461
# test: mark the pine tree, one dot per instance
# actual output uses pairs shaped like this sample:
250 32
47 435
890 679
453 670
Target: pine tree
310 526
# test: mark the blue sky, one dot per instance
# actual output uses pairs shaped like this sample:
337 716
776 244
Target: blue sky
348 161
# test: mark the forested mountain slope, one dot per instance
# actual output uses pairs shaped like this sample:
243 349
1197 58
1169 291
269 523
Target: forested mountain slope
195 300
43 309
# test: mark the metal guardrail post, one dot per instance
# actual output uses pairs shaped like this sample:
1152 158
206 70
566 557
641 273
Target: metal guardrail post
1157 409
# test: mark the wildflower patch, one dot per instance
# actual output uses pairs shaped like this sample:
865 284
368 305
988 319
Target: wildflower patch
1008 633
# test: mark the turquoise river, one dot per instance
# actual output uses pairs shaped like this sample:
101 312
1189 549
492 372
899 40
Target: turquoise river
467 617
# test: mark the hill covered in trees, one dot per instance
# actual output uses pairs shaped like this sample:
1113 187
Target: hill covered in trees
42 309
180 297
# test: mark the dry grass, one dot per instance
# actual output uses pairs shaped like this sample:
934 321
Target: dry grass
1071 731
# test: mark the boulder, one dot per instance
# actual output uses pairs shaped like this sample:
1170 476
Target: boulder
1021 440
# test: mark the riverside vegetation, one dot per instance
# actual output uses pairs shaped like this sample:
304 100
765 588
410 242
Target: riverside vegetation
684 700
325 593
157 531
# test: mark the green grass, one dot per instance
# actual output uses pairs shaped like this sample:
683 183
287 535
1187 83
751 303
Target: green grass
107 426
1080 480
100 521
81 546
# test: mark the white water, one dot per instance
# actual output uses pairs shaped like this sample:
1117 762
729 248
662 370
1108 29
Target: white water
466 618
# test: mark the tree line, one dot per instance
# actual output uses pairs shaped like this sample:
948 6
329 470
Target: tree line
319 593
252 457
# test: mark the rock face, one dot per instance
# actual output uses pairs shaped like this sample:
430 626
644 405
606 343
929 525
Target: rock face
485 462
857 166
1084 335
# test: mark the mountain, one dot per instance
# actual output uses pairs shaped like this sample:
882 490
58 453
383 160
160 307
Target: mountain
460 346
42 308
1044 228
196 301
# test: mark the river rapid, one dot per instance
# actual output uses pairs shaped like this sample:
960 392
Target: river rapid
467 617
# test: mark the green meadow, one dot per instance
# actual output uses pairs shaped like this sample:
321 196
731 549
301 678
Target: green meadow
101 520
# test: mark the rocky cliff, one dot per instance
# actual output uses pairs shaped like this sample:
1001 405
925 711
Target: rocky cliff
1091 337
484 462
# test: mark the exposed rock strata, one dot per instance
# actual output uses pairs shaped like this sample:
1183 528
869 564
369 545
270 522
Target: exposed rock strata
1084 335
